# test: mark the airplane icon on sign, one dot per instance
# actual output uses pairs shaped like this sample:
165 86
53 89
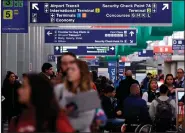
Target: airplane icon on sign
46 5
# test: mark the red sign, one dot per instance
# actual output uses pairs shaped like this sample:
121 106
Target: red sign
124 59
163 49
111 27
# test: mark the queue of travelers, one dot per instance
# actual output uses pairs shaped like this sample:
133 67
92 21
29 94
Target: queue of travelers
44 102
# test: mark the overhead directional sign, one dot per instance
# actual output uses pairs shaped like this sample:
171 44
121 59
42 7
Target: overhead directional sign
51 58
94 62
91 36
145 53
178 44
102 12
112 70
121 68
14 16
85 50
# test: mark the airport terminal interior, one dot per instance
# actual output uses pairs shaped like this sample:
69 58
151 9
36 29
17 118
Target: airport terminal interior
107 65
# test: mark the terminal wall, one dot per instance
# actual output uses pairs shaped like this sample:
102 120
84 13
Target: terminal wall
24 52
171 67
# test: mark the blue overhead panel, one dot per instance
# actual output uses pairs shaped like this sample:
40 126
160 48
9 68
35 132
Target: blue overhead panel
85 37
121 68
145 53
94 62
128 13
14 16
178 44
86 50
112 70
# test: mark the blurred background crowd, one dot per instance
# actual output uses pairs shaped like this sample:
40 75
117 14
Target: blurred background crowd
53 101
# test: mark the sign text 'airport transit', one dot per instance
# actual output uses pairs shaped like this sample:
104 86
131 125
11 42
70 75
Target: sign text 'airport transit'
102 12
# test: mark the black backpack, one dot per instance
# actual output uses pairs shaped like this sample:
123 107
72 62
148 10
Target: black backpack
164 110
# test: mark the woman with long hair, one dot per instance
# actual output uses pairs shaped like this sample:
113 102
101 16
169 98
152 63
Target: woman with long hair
10 105
169 81
41 112
77 81
152 93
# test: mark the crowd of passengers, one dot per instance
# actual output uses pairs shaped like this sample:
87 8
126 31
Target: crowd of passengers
38 102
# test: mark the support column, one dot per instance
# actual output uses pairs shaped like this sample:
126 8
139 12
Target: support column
167 68
173 68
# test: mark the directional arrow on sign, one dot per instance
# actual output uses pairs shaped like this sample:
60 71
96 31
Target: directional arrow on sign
112 48
35 6
165 6
57 48
131 33
2 98
49 33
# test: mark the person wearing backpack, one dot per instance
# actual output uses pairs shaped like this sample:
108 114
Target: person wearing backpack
162 110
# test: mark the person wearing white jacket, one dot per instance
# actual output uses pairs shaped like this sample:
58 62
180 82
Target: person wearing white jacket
77 80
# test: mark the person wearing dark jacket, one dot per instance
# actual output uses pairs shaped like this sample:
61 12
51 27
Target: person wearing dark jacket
109 107
145 82
179 83
123 91
169 82
135 108
10 105
47 71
